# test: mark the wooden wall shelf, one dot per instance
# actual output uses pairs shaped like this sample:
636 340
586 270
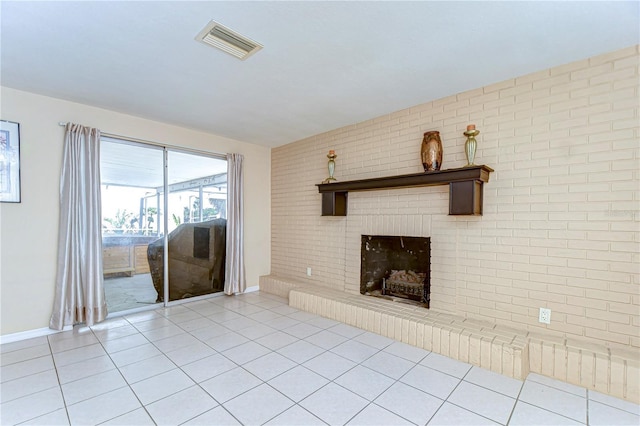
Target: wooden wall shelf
465 189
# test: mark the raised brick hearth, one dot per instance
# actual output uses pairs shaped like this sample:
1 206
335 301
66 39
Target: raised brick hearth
511 352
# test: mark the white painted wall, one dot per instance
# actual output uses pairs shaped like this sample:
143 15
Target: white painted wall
29 230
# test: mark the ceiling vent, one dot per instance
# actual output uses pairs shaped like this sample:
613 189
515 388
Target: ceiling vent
228 41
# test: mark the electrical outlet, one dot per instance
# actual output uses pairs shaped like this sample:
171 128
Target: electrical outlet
308 271
545 316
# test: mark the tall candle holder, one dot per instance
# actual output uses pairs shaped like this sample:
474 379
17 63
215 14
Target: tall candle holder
331 166
471 144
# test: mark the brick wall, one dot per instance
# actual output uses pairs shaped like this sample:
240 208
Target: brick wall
561 224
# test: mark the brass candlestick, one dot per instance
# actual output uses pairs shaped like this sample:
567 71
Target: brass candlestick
332 166
471 144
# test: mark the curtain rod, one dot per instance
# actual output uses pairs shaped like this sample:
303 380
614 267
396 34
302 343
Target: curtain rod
162 145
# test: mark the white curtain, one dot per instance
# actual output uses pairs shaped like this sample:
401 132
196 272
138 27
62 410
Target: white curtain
79 293
234 278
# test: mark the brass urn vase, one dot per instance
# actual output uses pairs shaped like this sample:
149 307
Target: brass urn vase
431 151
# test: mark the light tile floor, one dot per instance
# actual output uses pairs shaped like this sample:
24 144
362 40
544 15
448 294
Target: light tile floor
252 359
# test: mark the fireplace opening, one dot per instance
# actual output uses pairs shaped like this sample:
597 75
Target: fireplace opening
396 268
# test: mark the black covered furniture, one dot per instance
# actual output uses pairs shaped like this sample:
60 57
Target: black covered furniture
196 260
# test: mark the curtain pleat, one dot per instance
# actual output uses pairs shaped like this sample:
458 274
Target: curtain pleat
79 295
235 281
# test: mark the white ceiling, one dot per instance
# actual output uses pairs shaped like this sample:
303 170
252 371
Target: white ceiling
324 64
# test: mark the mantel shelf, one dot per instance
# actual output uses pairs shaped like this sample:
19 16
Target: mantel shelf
441 177
465 188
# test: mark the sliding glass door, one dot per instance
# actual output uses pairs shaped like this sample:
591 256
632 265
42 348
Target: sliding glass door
132 180
134 184
197 224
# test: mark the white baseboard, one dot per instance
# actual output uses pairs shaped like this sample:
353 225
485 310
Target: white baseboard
30 334
24 335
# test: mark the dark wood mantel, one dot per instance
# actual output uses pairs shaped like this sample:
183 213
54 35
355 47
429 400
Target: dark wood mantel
465 189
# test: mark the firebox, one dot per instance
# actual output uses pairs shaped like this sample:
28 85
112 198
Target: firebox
396 267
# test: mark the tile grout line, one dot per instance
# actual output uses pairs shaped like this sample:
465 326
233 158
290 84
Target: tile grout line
55 367
176 365
265 382
587 415
221 404
461 379
123 378
297 365
556 413
515 404
184 372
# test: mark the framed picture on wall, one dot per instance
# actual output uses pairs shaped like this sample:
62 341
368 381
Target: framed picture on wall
9 162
